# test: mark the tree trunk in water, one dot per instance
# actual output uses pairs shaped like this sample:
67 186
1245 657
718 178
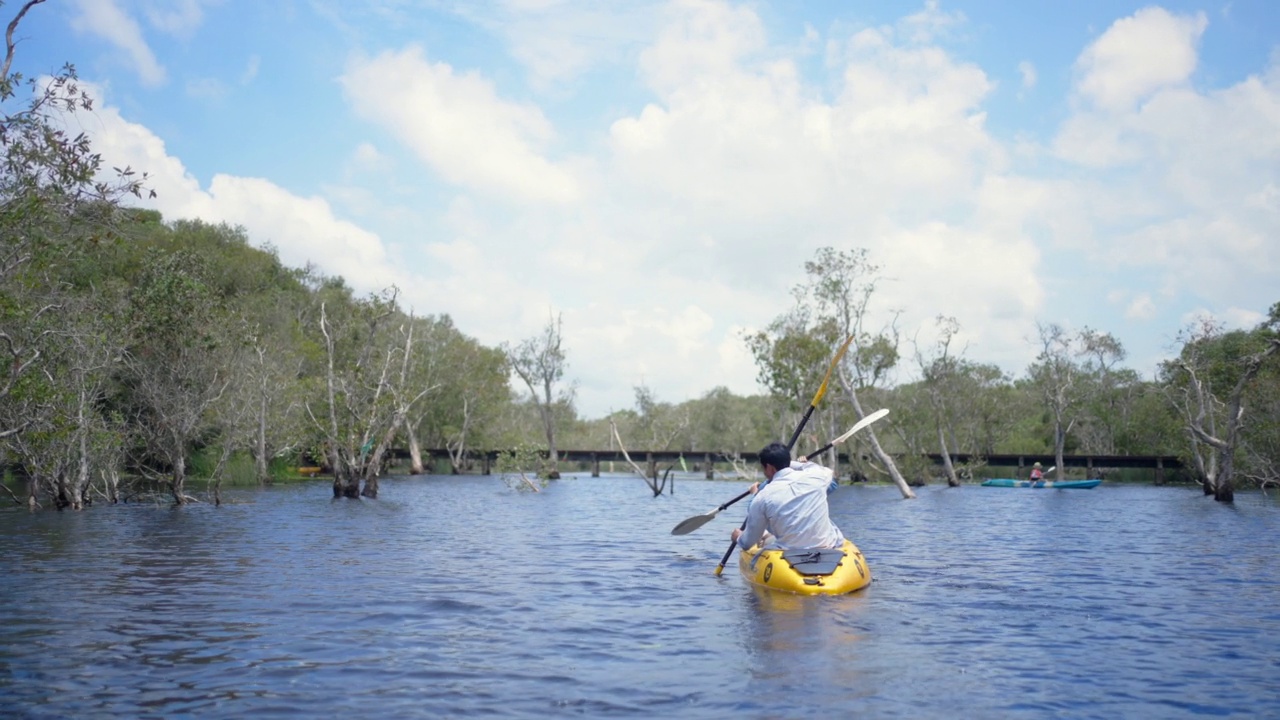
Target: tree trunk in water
82 474
952 480
179 480
1059 444
61 493
886 460
1202 472
345 483
260 442
80 485
415 451
112 482
881 455
548 424
1225 492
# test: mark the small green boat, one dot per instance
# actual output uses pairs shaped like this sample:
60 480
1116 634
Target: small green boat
1065 484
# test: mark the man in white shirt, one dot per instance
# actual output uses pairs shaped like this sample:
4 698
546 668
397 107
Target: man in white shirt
792 505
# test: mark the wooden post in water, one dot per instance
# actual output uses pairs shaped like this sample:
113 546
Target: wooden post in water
595 465
711 473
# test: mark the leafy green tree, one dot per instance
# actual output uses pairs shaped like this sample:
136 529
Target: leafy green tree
183 355
468 383
52 204
792 357
660 425
722 421
1105 391
1209 383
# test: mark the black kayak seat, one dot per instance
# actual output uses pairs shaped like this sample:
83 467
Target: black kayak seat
814 562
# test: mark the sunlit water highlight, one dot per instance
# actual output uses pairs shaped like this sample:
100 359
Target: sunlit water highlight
457 596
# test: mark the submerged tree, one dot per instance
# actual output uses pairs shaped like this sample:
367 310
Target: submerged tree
1208 383
540 362
939 372
841 285
369 348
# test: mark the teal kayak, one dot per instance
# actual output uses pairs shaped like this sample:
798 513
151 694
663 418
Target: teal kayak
1068 484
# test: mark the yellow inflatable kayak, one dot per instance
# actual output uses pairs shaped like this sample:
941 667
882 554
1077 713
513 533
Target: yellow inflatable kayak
807 572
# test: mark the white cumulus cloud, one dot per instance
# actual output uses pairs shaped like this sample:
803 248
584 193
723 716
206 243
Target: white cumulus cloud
1137 55
458 125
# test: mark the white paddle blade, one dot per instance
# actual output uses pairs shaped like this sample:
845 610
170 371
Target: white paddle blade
861 424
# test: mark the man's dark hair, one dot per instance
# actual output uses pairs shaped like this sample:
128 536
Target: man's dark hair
775 454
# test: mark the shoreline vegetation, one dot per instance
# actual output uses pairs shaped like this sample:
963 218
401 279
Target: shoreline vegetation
239 474
174 350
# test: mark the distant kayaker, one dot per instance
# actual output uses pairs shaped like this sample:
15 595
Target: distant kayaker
792 505
1035 473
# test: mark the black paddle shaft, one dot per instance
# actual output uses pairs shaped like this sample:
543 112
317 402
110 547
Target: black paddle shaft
722 507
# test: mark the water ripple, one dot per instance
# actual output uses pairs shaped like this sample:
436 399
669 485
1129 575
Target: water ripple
457 596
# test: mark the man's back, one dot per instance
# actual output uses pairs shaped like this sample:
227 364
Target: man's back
793 507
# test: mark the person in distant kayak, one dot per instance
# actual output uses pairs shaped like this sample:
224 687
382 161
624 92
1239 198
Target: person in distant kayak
1036 474
792 505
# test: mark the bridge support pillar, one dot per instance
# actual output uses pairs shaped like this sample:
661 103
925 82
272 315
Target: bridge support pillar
595 465
706 463
1159 471
1088 473
485 464
653 465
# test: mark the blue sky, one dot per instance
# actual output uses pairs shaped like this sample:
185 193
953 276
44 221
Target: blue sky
658 172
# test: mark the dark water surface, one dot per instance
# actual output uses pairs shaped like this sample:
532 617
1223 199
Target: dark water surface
454 597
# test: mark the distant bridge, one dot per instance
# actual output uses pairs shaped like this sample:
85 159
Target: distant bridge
702 461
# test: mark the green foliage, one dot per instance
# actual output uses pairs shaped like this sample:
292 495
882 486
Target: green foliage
523 466
1226 384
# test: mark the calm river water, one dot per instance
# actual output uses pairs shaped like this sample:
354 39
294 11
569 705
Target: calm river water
457 596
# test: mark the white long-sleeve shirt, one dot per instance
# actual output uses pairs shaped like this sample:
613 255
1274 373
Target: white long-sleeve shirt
793 508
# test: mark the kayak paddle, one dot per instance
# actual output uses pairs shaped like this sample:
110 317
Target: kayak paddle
851 432
690 524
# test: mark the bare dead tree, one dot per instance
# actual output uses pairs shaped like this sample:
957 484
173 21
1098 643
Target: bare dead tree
653 483
540 362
